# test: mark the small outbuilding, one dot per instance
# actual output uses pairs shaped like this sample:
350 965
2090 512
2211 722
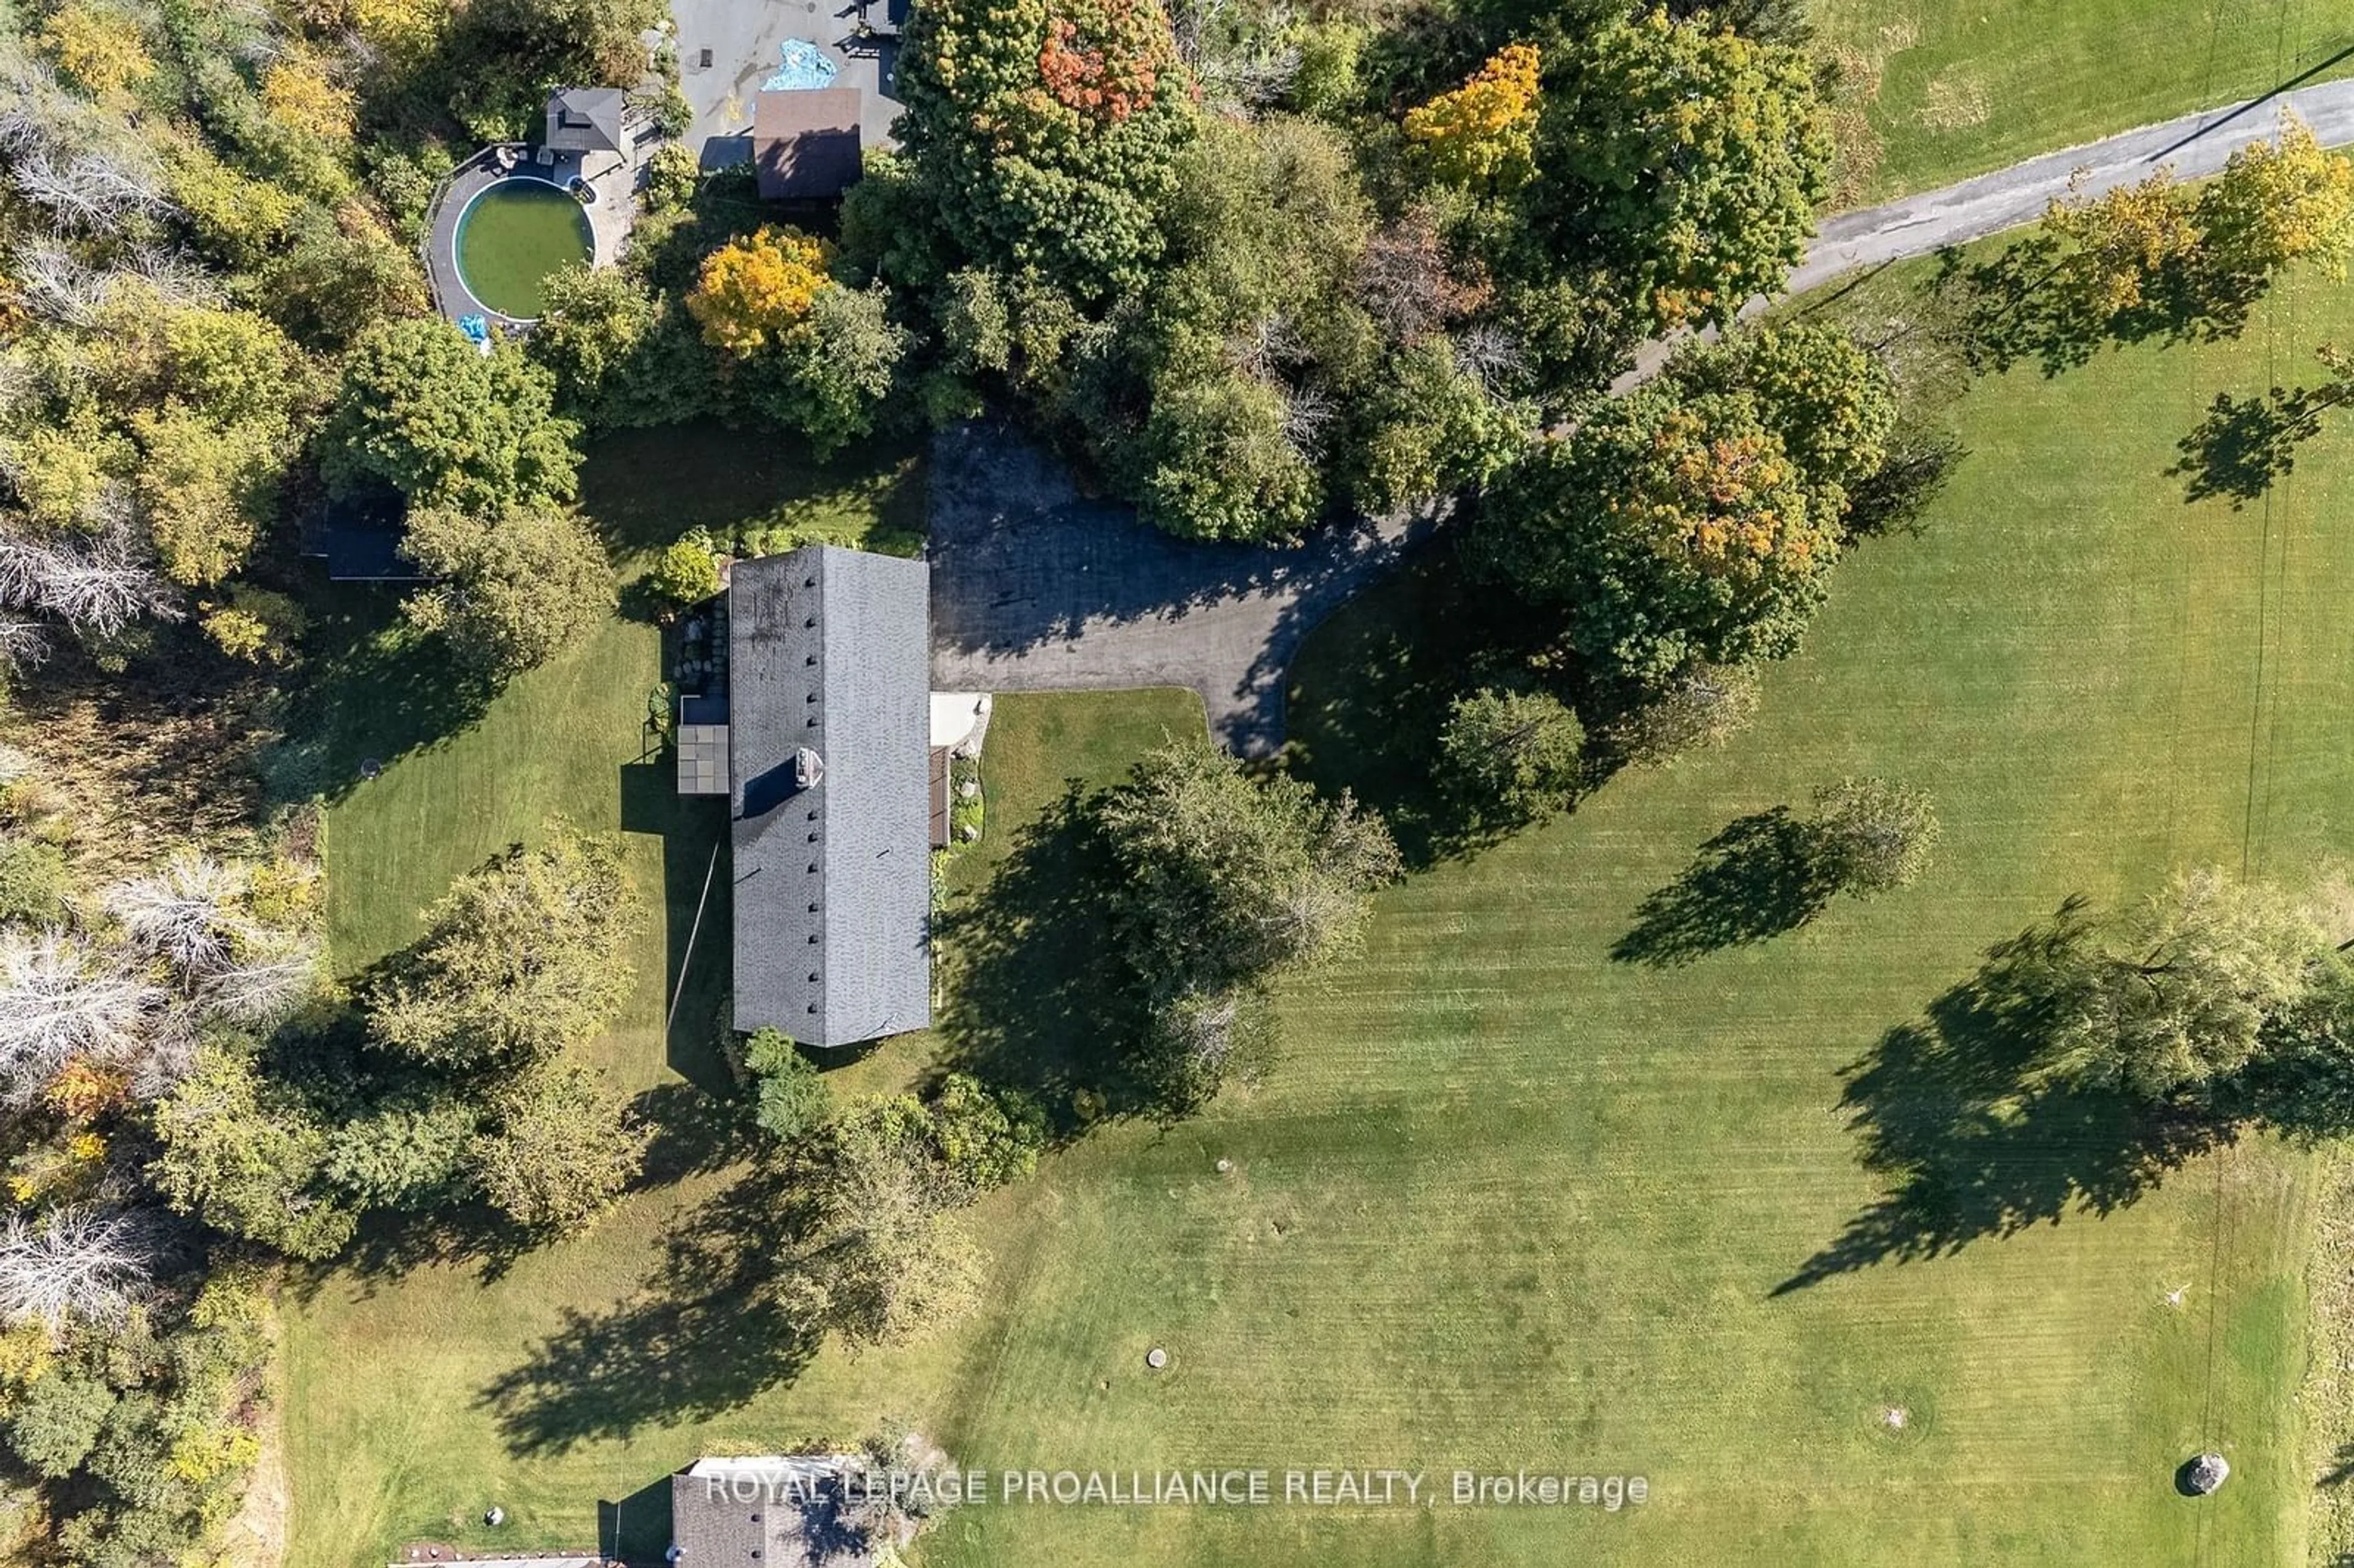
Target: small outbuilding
806 143
359 537
586 119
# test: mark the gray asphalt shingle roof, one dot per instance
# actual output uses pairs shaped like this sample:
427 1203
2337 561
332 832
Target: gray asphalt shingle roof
828 649
585 119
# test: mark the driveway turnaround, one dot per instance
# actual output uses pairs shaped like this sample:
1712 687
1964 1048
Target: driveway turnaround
1035 587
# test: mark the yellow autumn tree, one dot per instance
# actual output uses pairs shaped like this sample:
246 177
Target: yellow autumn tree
757 289
298 95
101 49
2276 203
2123 240
1483 132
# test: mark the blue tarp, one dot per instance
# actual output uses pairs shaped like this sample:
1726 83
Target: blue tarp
475 327
806 67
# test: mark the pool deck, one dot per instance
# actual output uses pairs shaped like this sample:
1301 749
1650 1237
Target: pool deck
613 175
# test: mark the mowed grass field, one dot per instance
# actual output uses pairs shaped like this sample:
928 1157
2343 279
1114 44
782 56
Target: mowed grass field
1955 88
1508 1202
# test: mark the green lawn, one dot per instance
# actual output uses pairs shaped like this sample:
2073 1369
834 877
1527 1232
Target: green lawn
1509 1203
1965 86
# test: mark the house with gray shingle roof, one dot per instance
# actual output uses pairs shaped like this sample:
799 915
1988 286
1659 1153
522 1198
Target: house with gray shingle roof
771 1511
828 771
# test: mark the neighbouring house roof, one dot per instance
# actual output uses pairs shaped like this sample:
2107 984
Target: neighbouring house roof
585 119
805 143
770 1513
828 650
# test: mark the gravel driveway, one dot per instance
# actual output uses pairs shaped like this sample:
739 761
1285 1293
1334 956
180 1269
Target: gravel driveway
1035 587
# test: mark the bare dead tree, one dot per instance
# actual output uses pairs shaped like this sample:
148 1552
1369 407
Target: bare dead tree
168 1055
186 914
1307 411
81 1263
268 975
60 999
1265 346
95 191
24 644
59 286
1491 356
99 584
1407 281
174 279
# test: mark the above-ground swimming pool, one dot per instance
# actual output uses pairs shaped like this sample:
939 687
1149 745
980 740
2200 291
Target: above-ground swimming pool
513 235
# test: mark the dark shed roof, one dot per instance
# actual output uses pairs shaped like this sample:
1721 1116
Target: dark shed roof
359 537
805 143
828 649
585 119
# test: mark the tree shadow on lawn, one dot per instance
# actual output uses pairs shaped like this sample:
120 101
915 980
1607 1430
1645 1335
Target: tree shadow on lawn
1761 876
2017 307
2244 445
1370 687
704 1334
698 917
1979 1136
1037 998
375 691
645 488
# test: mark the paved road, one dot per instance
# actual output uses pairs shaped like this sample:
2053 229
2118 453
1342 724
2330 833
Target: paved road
1035 587
2194 146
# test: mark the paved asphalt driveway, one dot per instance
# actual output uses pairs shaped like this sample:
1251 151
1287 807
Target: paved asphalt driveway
2193 146
1036 588
746 39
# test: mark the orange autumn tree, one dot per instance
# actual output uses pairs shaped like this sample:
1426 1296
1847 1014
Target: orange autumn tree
1483 132
758 290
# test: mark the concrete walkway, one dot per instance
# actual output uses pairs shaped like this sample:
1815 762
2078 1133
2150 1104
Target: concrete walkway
2193 146
1035 587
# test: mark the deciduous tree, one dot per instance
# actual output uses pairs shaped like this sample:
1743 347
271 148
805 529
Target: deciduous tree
449 427
1873 835
2179 1000
511 590
1674 532
520 959
2279 202
758 290
562 1148
1045 134
240 1153
1482 133
878 1255
1225 878
1692 156
1514 752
